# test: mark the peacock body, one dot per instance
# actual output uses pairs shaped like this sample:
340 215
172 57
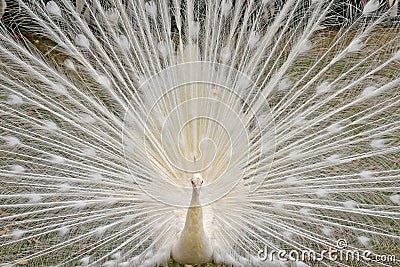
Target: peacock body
136 133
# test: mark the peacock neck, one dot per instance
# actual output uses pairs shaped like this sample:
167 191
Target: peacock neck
194 215
193 245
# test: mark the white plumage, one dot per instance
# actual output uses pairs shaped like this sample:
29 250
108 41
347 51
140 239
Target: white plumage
108 112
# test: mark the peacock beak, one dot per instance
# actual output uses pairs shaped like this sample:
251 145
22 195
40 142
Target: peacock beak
197 188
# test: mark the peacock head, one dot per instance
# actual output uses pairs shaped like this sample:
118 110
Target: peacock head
197 181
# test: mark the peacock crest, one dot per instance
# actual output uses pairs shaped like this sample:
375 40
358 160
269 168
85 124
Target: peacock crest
232 133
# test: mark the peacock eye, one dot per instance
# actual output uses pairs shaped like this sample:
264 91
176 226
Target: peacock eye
192 182
202 182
